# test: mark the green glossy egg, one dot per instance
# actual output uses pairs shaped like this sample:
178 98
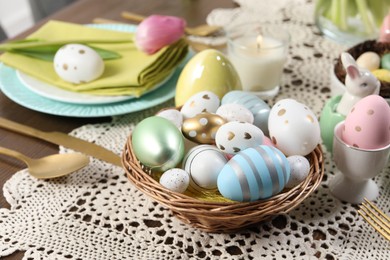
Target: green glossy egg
385 61
158 143
328 120
208 70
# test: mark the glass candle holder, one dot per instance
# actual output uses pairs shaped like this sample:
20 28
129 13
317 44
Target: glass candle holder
350 21
258 52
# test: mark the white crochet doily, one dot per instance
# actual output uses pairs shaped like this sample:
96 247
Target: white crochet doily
96 213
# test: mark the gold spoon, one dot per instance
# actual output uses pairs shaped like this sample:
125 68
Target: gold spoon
51 166
201 30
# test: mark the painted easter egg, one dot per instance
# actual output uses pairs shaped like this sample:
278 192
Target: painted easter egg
385 61
253 103
384 35
235 112
369 60
172 115
255 173
367 126
382 74
202 128
157 143
205 101
204 163
293 128
267 141
78 63
299 170
208 70
175 179
235 136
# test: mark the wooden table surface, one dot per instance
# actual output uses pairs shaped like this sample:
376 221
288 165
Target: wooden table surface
83 11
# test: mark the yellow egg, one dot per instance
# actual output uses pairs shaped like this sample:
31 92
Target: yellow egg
208 70
369 60
382 74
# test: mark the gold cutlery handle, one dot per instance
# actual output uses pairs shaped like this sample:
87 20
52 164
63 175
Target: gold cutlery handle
65 140
133 17
21 129
99 20
14 154
201 30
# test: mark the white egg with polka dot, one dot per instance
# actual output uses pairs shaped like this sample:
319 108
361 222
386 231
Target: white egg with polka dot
293 127
78 63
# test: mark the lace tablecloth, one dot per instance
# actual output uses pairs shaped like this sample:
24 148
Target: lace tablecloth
96 213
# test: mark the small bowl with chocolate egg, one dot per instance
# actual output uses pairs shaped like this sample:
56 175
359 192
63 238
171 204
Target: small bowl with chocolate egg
372 55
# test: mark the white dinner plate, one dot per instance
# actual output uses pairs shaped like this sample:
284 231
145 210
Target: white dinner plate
15 90
58 94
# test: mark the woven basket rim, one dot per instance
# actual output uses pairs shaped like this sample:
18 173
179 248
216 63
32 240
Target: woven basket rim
223 217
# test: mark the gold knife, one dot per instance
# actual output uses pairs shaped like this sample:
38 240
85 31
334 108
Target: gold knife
65 140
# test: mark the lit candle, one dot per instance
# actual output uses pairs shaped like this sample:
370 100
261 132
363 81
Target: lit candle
258 53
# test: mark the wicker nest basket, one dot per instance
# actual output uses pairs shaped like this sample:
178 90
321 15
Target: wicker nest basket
222 217
378 47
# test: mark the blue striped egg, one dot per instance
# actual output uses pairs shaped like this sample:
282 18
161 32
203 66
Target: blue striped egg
254 173
253 103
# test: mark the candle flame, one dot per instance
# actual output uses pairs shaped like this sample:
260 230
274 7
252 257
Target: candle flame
259 41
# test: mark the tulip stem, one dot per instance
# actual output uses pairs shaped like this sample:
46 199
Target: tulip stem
39 44
45 50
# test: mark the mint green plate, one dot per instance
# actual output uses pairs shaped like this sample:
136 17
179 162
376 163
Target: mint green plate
15 90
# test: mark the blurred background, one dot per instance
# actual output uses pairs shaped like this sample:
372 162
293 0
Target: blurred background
19 15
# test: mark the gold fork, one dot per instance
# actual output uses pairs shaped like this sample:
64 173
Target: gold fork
376 218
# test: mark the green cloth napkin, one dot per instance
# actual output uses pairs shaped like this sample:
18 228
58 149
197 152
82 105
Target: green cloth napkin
133 74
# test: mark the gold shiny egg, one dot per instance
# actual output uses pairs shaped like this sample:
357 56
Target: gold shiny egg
202 128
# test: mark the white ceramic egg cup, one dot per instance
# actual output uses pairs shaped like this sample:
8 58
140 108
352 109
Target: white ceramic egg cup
356 168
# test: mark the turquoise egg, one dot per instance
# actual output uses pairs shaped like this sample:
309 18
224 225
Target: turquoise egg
157 143
385 61
256 105
253 174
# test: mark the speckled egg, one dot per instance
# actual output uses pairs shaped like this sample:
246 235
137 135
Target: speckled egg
205 101
299 170
253 103
255 173
234 137
367 126
369 60
172 115
293 128
203 163
202 128
235 112
78 63
175 179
